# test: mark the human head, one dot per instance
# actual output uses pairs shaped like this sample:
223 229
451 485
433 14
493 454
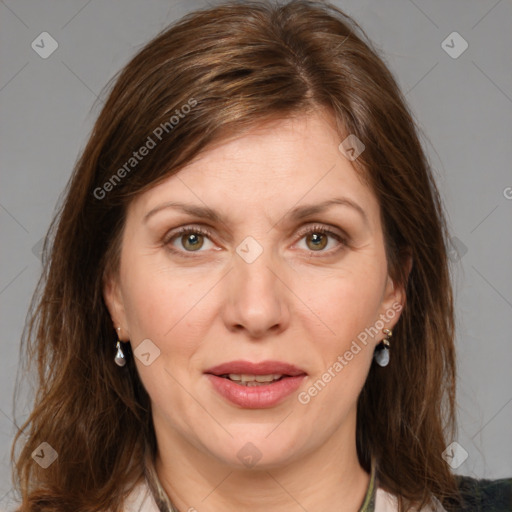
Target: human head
188 91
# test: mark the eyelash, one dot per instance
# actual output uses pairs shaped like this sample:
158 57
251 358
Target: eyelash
198 230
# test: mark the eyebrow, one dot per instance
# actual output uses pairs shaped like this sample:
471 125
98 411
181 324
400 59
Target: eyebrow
299 212
203 212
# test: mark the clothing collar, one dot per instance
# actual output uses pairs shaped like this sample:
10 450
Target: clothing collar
369 499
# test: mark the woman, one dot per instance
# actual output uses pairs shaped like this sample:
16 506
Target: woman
246 303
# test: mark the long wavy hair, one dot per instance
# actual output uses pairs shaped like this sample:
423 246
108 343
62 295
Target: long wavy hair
212 75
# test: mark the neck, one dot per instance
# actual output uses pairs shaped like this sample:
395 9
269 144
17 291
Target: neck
327 479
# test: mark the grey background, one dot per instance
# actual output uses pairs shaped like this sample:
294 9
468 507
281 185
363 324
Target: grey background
463 106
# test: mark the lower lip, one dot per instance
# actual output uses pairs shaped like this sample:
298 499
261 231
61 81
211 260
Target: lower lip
256 397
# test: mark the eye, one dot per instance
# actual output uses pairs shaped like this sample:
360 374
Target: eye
188 239
317 238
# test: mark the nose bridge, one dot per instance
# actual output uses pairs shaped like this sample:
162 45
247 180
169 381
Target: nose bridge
257 299
257 277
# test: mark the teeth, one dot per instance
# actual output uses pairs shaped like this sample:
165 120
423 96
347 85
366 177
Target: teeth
252 379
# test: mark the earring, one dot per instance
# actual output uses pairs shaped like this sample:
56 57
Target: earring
381 354
120 360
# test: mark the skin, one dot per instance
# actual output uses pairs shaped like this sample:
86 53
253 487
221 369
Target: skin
296 303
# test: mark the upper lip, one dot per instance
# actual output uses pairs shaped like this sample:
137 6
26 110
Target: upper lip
262 368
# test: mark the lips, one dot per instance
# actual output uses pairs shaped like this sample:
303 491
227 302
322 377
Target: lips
237 382
263 368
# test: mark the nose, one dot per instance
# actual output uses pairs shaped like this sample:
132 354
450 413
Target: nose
256 298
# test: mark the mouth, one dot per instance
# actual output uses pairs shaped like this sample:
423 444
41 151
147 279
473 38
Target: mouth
244 379
255 385
246 372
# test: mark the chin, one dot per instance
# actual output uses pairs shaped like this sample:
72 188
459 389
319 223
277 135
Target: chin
258 450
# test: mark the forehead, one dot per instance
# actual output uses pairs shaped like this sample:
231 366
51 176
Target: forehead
271 167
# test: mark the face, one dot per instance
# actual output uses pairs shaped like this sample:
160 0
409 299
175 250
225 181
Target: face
263 257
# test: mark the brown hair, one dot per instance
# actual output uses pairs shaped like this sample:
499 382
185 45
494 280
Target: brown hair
212 75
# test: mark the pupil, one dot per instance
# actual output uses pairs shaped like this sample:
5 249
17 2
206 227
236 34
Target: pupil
192 241
318 240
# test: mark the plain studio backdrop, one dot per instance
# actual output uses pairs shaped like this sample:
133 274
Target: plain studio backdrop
452 61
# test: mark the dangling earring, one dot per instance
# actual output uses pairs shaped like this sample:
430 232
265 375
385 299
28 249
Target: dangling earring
120 360
381 354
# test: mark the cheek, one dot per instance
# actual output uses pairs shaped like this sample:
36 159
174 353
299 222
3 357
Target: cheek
347 301
348 306
167 309
159 300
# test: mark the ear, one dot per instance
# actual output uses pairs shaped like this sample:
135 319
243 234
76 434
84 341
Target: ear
114 301
395 295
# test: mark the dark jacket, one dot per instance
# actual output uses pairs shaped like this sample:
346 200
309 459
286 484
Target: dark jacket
481 495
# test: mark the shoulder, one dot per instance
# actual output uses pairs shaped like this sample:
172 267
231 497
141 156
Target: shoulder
140 499
478 495
481 495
